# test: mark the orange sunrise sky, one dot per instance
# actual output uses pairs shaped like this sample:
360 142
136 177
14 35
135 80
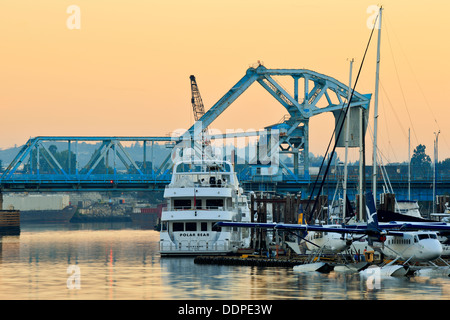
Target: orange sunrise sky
125 71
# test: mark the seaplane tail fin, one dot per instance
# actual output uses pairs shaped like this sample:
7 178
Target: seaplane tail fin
349 213
376 237
372 218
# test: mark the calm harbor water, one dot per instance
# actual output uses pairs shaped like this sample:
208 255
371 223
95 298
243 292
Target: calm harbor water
121 261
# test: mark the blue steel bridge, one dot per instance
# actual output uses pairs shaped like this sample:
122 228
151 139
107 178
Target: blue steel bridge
50 164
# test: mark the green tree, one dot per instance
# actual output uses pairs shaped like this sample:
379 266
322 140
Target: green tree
421 162
445 164
419 157
47 165
443 167
66 160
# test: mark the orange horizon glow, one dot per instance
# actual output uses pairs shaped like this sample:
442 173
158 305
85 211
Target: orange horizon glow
126 71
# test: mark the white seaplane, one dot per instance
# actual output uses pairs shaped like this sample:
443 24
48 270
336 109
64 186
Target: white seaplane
408 242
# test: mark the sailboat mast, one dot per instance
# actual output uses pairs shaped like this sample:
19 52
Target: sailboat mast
409 164
375 119
347 129
361 165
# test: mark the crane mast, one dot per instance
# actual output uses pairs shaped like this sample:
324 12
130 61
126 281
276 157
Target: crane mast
199 111
196 100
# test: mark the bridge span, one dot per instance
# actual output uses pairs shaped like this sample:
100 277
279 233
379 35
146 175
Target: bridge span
277 161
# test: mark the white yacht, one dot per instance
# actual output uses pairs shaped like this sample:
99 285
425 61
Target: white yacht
200 194
408 207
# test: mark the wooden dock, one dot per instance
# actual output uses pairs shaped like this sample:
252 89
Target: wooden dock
9 222
248 261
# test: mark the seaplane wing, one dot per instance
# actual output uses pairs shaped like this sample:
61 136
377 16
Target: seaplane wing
413 226
372 228
299 227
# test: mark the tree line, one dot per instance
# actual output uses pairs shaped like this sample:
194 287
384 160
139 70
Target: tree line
51 160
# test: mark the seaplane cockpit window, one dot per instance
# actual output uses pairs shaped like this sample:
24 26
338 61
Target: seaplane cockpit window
427 235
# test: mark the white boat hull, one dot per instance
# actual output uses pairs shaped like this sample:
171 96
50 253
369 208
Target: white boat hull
321 267
386 271
351 267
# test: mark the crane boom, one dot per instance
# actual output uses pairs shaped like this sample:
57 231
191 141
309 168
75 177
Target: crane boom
196 100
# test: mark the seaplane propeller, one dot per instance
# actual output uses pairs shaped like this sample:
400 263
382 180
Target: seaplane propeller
348 238
302 237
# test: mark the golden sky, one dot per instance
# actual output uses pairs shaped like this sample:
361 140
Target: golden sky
125 72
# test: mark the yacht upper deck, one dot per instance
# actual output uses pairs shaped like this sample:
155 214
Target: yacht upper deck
203 174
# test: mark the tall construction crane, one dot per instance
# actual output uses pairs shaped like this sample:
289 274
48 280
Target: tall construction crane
199 111
196 100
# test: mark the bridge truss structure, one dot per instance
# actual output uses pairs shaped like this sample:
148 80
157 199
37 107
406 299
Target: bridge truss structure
114 163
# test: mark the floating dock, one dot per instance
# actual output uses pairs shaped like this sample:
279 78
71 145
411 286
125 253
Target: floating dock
261 261
248 261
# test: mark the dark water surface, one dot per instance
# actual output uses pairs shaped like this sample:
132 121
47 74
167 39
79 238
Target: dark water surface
121 261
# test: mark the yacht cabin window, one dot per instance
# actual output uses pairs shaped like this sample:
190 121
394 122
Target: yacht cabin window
178 226
191 226
198 204
182 203
214 203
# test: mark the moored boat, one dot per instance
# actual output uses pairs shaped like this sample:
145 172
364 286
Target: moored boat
200 194
41 207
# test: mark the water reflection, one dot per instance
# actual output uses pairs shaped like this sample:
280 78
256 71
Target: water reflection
123 263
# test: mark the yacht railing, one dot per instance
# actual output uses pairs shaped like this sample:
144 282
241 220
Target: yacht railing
194 246
215 208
